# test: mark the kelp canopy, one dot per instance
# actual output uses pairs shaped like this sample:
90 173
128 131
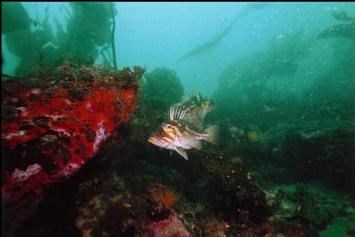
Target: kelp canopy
14 17
85 35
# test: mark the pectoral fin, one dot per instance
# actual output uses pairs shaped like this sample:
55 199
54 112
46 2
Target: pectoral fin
182 152
196 144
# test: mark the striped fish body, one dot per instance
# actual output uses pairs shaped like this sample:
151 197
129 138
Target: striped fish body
179 133
177 137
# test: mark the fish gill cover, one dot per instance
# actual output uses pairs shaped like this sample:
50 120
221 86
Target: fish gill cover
257 97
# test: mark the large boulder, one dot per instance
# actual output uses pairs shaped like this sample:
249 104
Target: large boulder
53 123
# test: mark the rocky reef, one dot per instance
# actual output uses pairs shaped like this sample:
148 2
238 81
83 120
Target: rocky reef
131 188
139 190
305 171
253 183
75 156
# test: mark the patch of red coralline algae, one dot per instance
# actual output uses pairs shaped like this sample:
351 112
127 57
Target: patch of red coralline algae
60 130
169 227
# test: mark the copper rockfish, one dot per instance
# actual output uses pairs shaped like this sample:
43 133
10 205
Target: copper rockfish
184 128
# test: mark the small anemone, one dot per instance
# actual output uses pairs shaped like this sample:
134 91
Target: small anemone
164 196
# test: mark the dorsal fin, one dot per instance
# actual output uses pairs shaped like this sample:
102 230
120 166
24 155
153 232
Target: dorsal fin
178 113
191 96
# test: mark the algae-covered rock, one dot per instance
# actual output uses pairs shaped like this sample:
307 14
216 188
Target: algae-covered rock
161 88
233 193
310 208
325 156
50 130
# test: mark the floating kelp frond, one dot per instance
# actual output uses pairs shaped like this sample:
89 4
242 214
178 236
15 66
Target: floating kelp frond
215 40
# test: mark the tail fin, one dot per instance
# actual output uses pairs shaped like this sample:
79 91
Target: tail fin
213 134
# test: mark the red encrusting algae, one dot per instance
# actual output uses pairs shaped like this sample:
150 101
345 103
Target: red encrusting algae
61 128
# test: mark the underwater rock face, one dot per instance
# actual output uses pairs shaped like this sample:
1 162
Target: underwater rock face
310 207
161 89
170 227
50 131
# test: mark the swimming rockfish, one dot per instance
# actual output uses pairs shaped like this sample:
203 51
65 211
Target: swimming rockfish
179 133
196 108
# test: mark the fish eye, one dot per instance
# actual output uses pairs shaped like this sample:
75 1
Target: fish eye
167 126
